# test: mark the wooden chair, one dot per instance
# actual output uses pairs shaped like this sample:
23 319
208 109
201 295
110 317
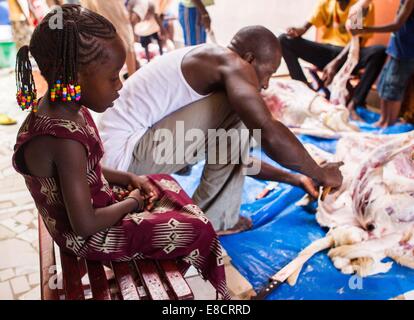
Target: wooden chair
84 279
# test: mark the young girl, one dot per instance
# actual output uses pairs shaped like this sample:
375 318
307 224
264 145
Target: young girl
58 151
400 66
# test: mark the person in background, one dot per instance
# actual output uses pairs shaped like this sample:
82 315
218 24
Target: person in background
22 27
116 12
167 16
147 24
195 20
400 66
331 17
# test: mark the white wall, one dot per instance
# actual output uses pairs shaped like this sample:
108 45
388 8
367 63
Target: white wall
229 16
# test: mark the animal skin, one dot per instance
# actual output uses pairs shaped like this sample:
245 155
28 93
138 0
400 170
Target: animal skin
299 107
372 216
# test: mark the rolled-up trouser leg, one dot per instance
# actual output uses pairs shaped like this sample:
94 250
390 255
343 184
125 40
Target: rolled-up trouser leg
189 135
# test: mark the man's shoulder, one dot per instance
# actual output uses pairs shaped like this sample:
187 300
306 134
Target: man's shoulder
229 59
214 56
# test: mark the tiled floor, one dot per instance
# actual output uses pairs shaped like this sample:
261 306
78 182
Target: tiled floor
19 262
19 266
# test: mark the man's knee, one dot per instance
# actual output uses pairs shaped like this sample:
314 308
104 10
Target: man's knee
285 41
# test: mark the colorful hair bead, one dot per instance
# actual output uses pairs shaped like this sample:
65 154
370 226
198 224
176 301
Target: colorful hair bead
65 92
27 99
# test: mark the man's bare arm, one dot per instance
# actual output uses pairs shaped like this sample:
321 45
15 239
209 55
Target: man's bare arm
205 17
277 140
269 172
399 21
295 32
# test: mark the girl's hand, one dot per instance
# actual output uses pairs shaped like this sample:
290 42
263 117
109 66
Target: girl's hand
139 198
147 189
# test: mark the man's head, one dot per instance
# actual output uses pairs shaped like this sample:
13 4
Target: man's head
261 48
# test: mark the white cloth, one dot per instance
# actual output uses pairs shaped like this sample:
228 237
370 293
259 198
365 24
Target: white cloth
149 95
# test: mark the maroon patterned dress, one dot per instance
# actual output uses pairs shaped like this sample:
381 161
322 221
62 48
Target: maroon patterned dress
174 229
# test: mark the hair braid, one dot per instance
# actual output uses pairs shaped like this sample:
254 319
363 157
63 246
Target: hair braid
60 52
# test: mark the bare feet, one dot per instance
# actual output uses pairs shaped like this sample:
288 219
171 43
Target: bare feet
351 107
379 123
242 225
354 116
387 124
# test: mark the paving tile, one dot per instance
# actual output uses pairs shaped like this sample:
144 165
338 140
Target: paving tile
26 270
6 233
6 274
27 256
34 278
9 172
29 235
13 225
25 217
35 245
6 204
33 294
203 290
19 285
5 291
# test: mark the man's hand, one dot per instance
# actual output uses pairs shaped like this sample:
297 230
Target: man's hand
206 21
329 72
295 32
331 175
148 190
163 34
356 31
308 185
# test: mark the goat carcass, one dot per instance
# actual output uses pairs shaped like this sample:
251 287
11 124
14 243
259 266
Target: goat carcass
297 106
372 216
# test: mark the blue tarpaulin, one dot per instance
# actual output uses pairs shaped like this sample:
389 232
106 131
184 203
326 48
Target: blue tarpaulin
281 230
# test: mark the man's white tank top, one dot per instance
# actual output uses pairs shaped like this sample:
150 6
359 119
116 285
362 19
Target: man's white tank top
149 95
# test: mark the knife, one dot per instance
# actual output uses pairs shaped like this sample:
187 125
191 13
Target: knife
279 278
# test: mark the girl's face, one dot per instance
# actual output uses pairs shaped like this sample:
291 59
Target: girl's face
100 82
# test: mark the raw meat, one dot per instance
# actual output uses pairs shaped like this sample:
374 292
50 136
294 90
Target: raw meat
297 106
372 216
339 92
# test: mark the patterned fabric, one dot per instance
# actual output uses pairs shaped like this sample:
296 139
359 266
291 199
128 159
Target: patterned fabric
174 229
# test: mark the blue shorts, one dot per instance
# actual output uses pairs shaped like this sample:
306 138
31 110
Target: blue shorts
394 79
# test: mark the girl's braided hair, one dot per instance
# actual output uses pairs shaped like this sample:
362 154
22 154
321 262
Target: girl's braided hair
59 52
